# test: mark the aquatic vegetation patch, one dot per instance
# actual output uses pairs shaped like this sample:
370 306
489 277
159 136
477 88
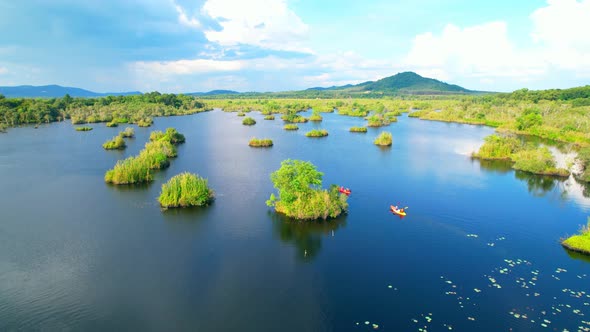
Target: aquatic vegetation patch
580 242
116 143
260 142
384 139
129 132
145 122
269 117
291 127
317 133
185 190
248 121
358 129
83 128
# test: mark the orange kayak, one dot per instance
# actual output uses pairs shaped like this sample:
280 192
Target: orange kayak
399 212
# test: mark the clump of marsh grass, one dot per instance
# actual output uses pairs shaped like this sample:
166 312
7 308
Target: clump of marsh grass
384 139
184 190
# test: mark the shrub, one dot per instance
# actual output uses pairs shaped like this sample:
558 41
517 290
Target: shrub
83 128
384 139
248 121
116 143
262 142
171 135
112 124
317 133
530 117
184 190
291 127
358 129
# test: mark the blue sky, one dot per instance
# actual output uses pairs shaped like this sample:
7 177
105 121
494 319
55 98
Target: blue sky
276 45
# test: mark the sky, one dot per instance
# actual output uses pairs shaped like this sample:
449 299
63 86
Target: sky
278 45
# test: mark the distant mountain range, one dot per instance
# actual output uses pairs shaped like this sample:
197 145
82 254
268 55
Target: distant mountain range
54 91
402 83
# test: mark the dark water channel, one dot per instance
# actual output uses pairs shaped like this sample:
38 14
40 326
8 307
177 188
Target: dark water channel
479 249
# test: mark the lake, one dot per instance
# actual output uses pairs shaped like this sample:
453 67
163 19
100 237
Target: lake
479 249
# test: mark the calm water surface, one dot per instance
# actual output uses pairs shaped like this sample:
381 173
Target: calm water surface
479 249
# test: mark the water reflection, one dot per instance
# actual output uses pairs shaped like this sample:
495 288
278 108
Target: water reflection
538 185
495 166
306 236
578 256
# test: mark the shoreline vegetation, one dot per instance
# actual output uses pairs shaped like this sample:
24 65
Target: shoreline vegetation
260 142
580 242
185 190
384 139
300 193
154 156
523 156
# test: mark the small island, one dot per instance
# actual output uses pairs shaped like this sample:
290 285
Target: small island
248 121
317 133
358 129
269 117
83 128
155 155
291 127
300 193
316 117
116 143
384 139
185 190
127 133
581 242
260 142
241 113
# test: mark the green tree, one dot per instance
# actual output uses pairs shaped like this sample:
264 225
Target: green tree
295 179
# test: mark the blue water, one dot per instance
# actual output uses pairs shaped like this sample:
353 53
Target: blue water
77 254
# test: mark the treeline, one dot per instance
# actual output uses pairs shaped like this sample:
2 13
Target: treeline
122 109
579 96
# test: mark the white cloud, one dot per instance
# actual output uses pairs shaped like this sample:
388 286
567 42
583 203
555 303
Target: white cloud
264 23
482 51
562 29
185 20
186 67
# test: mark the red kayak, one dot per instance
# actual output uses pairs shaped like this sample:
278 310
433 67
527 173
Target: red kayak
345 191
